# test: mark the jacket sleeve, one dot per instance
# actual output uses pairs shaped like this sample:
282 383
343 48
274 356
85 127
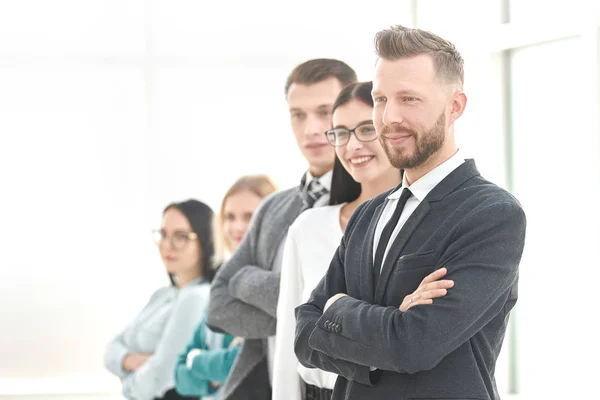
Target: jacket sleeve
257 287
210 366
253 315
482 259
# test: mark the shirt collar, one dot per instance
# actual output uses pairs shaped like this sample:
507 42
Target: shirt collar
325 180
421 188
194 281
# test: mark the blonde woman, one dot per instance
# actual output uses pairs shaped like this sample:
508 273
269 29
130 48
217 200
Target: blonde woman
237 208
205 364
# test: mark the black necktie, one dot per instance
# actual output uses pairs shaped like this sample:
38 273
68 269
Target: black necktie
387 233
313 192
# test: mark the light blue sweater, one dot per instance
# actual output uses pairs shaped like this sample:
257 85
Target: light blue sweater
162 328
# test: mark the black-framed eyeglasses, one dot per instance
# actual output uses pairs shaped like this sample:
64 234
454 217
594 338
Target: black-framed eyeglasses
341 136
178 240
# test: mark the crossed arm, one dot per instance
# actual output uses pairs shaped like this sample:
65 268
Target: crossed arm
208 369
243 297
155 376
482 260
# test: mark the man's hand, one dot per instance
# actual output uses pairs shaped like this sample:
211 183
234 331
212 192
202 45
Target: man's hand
430 288
333 299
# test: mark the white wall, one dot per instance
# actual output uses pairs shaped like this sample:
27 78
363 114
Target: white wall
111 109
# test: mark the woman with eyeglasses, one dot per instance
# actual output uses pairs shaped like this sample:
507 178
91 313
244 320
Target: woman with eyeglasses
144 355
205 364
361 171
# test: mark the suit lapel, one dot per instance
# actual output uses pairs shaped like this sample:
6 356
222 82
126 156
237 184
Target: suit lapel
398 246
449 184
366 274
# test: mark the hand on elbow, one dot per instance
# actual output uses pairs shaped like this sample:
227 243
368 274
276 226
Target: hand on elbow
432 287
133 361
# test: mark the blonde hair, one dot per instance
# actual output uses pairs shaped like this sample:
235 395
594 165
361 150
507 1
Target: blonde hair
400 42
260 185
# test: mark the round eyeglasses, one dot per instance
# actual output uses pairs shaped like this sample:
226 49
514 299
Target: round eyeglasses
341 136
178 240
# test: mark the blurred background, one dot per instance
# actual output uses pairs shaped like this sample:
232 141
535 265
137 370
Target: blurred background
111 109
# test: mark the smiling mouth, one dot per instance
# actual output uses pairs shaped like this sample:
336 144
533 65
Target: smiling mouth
361 160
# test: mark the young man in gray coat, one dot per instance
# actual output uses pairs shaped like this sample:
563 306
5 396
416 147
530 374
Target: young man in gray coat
244 295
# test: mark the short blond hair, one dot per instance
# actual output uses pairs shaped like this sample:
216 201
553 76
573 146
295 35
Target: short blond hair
399 42
260 185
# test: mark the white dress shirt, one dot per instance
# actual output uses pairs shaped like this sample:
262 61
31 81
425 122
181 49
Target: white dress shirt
310 245
420 189
325 181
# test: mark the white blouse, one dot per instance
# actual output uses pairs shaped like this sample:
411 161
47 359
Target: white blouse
309 248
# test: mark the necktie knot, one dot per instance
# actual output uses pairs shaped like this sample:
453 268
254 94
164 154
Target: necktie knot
313 191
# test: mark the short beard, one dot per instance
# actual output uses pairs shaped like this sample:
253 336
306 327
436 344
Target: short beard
426 144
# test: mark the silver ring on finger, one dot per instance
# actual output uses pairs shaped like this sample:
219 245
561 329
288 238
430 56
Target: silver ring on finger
411 300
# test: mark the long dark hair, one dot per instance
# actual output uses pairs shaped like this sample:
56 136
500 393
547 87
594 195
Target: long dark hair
344 188
201 217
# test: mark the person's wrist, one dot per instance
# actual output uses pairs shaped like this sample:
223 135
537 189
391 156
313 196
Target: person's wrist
333 299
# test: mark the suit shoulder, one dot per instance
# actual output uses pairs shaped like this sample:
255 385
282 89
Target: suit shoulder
374 202
480 195
490 193
281 197
274 201
380 198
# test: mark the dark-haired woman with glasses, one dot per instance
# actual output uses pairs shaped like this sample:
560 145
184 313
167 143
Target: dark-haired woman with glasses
144 355
361 171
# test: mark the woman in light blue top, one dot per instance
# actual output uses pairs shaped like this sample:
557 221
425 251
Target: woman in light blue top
144 355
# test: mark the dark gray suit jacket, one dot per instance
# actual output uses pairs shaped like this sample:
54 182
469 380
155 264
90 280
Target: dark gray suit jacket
446 350
244 294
